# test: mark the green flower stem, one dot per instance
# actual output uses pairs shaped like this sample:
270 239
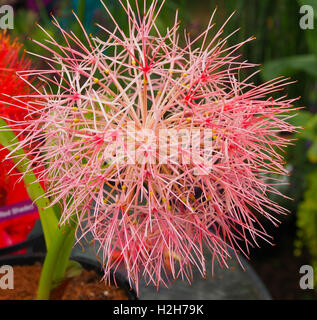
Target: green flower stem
56 261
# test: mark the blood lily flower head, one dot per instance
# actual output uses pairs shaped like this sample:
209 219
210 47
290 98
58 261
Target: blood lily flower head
158 149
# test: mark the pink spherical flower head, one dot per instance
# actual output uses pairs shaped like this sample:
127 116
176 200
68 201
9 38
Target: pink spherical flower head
160 151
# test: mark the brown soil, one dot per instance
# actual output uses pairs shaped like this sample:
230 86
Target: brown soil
87 286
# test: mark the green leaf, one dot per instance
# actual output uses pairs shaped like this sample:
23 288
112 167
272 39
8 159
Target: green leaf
290 65
48 218
299 118
312 153
74 269
310 129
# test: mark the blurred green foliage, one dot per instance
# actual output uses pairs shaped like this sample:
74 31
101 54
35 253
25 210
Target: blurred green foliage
303 156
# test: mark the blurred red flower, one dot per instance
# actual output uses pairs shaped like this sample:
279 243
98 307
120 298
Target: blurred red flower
11 191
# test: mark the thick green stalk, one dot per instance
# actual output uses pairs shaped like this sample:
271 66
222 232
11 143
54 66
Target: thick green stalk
56 261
